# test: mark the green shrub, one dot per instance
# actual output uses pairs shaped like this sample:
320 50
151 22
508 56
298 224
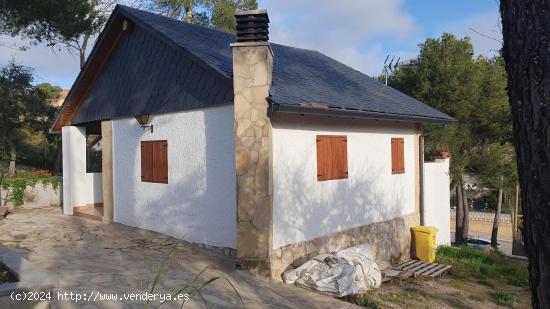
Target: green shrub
503 299
468 262
16 185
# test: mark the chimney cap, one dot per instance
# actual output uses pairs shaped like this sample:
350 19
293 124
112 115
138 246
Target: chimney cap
252 26
251 12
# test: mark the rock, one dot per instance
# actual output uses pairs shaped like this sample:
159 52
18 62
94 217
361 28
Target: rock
4 211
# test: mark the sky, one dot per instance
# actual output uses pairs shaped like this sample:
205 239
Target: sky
359 33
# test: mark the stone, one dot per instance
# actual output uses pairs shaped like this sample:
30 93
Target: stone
310 248
243 126
242 158
247 141
254 204
254 115
390 244
4 211
262 216
240 83
287 257
254 242
278 253
248 204
260 74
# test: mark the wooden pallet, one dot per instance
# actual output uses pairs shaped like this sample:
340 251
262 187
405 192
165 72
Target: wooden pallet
415 268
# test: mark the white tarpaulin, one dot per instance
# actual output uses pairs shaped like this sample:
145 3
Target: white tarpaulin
346 272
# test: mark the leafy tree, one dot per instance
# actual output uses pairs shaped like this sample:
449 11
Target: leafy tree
494 157
52 22
73 23
525 25
217 14
69 23
495 165
447 76
22 107
444 76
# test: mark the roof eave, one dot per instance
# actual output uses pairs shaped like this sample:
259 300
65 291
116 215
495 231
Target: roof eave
56 127
341 112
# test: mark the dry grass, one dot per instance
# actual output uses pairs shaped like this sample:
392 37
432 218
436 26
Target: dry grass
478 280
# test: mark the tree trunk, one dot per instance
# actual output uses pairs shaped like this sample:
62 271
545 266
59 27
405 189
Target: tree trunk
494 233
526 33
466 222
189 11
2 172
459 213
82 50
516 209
13 157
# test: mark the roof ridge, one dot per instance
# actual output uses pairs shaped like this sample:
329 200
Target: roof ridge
129 8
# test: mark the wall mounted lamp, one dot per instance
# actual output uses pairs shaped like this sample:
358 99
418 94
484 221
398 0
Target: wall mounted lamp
143 120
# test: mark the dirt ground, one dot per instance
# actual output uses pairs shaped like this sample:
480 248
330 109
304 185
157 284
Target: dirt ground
443 293
451 291
484 229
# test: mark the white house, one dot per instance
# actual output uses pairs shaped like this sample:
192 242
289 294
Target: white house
273 152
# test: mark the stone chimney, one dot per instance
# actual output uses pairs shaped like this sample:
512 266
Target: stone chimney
252 68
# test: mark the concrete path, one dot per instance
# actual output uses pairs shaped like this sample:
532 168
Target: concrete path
91 258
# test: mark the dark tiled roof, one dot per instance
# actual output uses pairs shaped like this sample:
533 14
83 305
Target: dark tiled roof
301 77
147 76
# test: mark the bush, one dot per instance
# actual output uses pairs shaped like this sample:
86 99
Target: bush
16 185
503 299
482 265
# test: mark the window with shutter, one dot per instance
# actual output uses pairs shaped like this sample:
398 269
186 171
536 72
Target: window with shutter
397 155
332 157
154 161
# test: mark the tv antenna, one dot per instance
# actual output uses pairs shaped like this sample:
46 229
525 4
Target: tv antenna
396 62
390 67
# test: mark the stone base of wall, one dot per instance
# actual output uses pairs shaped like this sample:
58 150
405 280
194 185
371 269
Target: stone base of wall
257 267
223 250
390 241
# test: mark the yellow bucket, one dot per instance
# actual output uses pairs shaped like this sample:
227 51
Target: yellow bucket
424 242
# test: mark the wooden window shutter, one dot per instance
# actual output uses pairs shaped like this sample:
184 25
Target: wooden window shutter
160 161
323 153
332 157
398 155
340 157
147 161
154 161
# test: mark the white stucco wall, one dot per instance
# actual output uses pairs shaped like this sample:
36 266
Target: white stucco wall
199 202
437 210
304 208
79 188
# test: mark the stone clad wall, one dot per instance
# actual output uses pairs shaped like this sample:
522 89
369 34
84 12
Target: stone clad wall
390 241
252 67
484 216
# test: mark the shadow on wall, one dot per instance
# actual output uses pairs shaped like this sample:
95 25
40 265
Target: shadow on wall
97 185
306 209
313 216
198 206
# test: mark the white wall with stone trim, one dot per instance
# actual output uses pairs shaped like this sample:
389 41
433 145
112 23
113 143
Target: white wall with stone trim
304 208
79 188
198 203
437 208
